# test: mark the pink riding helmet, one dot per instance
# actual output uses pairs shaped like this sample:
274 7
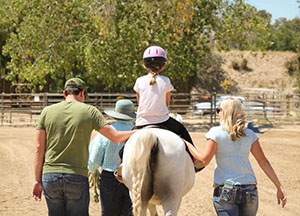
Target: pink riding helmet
155 51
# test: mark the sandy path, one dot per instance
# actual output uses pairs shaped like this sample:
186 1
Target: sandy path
281 145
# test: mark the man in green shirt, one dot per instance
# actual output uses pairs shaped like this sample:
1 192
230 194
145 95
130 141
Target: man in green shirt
61 158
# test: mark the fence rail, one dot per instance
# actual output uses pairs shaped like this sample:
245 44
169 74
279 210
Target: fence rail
270 106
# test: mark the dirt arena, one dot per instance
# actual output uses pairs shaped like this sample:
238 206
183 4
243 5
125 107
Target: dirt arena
281 145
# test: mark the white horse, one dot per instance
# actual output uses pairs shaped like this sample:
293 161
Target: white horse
157 170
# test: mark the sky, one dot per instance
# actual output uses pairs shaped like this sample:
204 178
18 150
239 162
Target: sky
278 8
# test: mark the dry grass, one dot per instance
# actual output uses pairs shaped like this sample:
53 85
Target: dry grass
264 71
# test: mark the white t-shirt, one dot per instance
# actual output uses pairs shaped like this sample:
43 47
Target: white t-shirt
152 107
232 157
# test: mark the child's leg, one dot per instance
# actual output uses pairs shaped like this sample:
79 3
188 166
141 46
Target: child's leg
178 128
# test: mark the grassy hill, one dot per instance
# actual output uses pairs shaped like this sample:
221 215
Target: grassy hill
261 71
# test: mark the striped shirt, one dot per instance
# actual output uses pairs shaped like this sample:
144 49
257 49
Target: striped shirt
104 153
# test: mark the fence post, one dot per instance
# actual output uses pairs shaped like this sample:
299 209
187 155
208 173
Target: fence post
264 105
101 102
2 109
45 99
215 106
288 105
211 109
97 102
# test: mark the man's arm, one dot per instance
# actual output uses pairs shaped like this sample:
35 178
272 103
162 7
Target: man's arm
38 164
114 135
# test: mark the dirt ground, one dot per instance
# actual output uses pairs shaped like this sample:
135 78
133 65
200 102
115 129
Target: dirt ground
281 146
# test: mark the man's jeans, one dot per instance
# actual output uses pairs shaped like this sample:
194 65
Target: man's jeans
66 194
245 202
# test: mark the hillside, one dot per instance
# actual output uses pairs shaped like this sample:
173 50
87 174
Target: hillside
266 71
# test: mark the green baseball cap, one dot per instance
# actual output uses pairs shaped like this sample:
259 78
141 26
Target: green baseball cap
75 83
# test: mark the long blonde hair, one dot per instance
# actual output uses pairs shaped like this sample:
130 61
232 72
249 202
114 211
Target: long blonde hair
233 119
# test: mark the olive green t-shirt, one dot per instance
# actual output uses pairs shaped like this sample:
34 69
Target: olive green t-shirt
68 127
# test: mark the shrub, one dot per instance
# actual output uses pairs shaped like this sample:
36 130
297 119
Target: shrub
244 64
228 85
235 65
292 66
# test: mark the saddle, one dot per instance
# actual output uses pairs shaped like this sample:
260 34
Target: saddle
197 164
150 126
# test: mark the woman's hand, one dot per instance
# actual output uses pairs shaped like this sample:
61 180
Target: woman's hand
281 197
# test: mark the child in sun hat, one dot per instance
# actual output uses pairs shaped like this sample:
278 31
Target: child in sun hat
114 195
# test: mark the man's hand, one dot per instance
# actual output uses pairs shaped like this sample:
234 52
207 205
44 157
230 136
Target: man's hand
37 191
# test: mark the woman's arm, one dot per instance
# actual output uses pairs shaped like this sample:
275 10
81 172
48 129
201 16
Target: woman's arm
265 165
207 155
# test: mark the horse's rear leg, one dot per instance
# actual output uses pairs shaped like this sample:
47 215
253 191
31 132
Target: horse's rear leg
171 207
143 211
152 210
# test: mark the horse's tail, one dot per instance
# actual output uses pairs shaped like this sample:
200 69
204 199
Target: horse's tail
139 161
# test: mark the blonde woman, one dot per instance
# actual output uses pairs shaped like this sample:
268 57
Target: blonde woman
235 191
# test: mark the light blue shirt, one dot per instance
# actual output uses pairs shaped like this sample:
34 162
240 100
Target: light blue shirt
232 157
104 153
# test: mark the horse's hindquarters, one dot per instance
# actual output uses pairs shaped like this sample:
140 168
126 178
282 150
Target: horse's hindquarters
170 173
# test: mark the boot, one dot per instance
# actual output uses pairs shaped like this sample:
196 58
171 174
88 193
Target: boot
118 173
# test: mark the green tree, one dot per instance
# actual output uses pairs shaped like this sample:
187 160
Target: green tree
176 26
103 41
286 34
242 27
48 41
185 29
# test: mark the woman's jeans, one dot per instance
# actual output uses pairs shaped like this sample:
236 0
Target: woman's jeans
66 194
245 201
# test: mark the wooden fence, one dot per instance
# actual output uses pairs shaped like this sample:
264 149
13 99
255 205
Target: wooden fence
25 108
